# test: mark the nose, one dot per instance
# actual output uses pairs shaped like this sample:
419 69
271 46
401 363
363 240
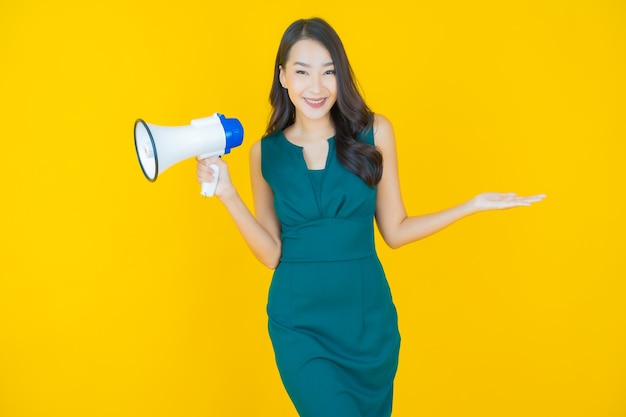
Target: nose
315 84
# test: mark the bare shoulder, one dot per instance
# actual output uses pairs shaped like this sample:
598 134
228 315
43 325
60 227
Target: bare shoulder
255 150
383 131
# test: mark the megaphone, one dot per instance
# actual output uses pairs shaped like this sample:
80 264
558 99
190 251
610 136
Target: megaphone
159 147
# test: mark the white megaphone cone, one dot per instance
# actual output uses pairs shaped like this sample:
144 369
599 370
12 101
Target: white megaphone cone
159 147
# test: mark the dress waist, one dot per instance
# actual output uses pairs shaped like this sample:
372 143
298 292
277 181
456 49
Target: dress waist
328 240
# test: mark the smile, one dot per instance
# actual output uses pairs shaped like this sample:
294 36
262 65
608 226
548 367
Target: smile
315 103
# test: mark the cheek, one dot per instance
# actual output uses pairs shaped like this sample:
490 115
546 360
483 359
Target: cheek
296 85
293 93
331 82
331 85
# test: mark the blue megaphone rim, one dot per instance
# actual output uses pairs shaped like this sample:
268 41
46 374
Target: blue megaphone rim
233 130
154 150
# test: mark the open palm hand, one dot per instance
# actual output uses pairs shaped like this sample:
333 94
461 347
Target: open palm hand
501 201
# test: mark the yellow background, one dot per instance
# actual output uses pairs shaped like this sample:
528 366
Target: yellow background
119 297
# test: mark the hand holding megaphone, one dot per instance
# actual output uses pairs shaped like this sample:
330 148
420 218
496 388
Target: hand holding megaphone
159 147
208 170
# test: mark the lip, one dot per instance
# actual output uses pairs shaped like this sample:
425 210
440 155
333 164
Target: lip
315 103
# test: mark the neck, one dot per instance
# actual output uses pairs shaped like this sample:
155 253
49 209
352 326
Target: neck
321 129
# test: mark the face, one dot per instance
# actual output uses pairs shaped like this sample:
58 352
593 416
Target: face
309 76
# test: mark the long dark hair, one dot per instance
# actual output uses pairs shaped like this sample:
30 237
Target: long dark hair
350 114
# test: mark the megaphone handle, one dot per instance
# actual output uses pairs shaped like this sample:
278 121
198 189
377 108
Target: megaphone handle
208 188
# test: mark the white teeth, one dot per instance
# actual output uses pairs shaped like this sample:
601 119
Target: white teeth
314 101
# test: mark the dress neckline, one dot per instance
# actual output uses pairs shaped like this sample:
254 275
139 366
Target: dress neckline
282 134
330 141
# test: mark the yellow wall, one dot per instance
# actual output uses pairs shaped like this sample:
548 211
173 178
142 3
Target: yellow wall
119 297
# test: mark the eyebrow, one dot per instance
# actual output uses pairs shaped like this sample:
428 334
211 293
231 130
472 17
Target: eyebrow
328 64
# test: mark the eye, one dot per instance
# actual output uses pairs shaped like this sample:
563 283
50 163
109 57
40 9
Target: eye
330 72
300 72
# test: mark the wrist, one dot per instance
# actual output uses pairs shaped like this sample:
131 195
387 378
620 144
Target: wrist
227 195
470 207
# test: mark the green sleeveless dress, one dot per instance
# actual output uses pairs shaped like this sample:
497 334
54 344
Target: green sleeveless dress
331 317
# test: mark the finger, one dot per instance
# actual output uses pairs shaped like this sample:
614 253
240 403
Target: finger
205 172
535 198
204 178
214 160
204 163
507 196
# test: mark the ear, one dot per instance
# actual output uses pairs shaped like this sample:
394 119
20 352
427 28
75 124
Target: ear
281 75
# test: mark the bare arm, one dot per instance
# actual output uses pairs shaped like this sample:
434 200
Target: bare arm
396 227
261 232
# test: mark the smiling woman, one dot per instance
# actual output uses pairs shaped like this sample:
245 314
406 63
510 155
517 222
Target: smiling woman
318 183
